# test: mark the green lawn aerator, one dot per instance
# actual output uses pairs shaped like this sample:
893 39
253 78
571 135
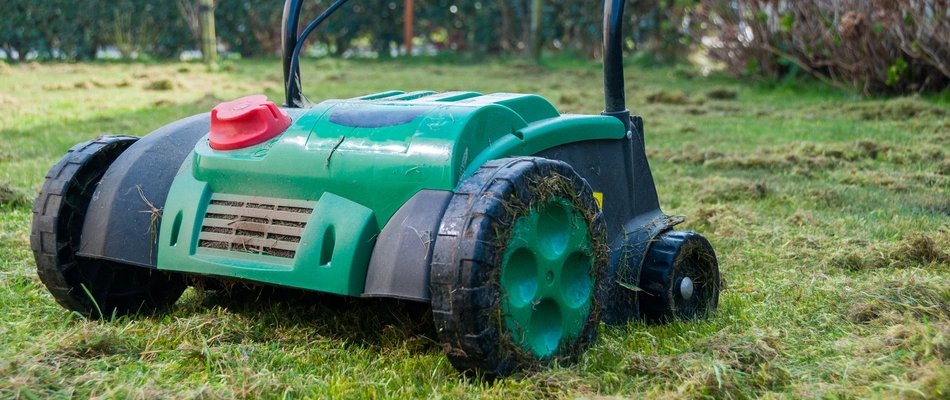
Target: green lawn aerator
523 228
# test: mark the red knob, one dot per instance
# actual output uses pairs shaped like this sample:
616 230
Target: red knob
245 122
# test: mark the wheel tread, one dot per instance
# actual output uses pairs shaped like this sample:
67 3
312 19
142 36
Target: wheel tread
53 245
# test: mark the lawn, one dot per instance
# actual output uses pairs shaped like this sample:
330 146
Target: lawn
830 215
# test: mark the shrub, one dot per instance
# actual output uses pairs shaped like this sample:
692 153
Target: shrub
877 46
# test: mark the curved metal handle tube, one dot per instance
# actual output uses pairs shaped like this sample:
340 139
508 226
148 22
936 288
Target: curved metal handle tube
614 99
295 98
613 56
288 40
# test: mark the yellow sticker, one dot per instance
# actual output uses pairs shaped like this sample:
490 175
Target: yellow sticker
600 199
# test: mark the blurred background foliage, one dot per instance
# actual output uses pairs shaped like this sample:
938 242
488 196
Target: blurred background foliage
873 46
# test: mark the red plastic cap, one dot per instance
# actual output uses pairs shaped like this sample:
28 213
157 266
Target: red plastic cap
245 122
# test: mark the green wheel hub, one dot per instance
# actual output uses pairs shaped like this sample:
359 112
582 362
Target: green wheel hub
519 257
546 280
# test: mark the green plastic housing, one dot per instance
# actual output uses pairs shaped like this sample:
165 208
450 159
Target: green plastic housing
342 169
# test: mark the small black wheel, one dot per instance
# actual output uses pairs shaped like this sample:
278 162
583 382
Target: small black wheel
92 287
680 278
519 257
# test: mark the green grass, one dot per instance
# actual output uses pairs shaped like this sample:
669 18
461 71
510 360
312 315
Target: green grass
830 216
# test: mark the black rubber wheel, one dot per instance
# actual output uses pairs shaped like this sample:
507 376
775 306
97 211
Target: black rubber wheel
96 288
679 279
519 257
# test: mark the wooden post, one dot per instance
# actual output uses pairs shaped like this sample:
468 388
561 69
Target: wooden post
209 42
536 14
407 28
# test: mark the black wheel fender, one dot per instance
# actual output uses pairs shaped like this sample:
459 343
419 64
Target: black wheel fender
647 268
121 223
621 299
401 261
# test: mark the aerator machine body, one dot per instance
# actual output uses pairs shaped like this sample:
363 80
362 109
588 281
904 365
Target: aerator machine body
522 227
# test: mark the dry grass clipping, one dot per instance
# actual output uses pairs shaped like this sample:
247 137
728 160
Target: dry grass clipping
13 196
797 155
916 249
672 97
162 84
722 94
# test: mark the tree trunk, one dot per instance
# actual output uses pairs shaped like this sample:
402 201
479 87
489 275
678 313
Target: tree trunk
407 28
9 49
209 43
340 46
192 17
505 26
536 41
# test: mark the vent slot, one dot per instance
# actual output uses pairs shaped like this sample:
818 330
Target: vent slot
256 225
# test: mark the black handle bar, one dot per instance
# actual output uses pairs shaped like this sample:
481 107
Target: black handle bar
613 55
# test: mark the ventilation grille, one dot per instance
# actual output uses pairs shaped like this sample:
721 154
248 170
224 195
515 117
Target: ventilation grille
258 225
